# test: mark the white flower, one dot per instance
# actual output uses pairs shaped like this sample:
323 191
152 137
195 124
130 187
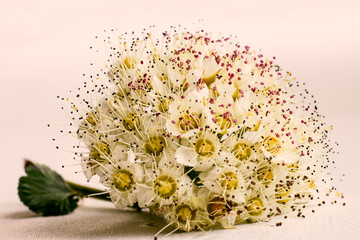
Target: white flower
164 186
200 151
200 130
186 115
226 181
122 179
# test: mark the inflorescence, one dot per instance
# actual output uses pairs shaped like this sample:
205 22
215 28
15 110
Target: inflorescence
201 130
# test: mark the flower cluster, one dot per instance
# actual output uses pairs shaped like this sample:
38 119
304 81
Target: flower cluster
201 130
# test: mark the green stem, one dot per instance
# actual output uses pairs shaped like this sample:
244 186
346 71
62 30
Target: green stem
83 191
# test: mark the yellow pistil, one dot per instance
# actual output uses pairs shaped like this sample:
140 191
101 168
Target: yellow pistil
242 151
255 207
131 122
164 105
165 186
155 145
204 147
217 207
99 150
265 174
121 94
256 127
311 183
184 213
188 122
294 167
128 63
123 180
282 195
229 181
91 119
210 79
272 145
224 121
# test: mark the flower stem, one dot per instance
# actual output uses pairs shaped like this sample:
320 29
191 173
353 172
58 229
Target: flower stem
83 191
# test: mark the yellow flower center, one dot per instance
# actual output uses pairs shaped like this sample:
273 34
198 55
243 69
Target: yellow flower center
217 207
272 145
127 63
184 213
265 175
188 122
123 180
242 151
229 181
294 167
310 183
131 122
255 206
91 119
224 121
120 94
164 105
165 186
256 127
210 79
282 195
155 145
99 150
204 147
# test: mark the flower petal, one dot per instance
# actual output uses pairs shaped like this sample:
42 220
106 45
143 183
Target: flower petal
186 156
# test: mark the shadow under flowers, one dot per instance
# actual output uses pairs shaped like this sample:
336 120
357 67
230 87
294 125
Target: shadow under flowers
89 223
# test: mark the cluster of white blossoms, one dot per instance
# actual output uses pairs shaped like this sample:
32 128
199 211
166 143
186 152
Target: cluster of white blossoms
200 131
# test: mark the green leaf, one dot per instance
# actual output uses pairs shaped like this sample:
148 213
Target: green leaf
193 175
45 191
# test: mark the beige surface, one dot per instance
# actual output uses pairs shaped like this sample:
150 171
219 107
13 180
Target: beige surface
102 221
45 49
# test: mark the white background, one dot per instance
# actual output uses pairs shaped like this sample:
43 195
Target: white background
44 50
